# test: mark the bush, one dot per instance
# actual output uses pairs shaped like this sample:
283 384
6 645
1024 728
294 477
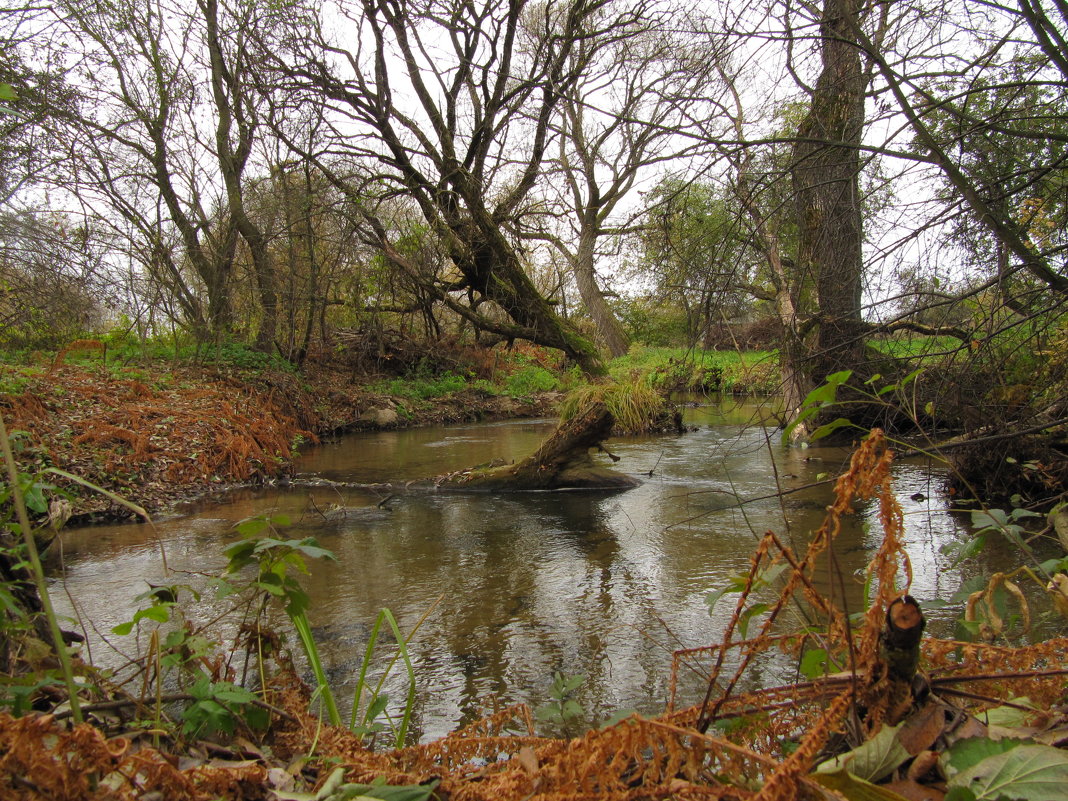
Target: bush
530 380
422 388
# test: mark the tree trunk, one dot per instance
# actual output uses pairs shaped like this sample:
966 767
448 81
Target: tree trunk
795 384
491 267
826 171
608 327
561 462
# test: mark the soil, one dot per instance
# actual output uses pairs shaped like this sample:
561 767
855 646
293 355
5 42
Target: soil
158 435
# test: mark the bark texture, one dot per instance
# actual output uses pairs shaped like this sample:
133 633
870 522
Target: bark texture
826 171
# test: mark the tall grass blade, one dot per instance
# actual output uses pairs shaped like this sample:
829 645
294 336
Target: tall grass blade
311 650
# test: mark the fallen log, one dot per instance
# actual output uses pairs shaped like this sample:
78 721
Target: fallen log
562 461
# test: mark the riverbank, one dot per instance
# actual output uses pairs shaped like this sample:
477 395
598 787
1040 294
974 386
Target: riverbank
160 433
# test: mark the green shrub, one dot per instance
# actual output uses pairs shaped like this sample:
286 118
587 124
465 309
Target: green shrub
530 380
418 388
690 370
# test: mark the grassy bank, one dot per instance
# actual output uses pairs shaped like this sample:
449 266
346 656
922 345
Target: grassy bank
690 370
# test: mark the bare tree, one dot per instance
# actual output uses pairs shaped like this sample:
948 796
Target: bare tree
149 75
633 109
453 104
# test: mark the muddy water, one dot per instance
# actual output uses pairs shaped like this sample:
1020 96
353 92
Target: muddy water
602 584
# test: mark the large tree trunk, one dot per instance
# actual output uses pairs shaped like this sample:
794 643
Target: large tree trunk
826 170
562 462
491 267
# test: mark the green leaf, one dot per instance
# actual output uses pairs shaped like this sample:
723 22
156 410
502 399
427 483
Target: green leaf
123 628
904 382
256 717
383 792
989 518
7 92
828 428
239 554
737 584
967 753
298 601
747 615
874 759
213 716
1051 566
376 707
234 695
814 663
251 526
1025 773
571 710
967 587
201 688
572 683
1010 716
311 548
618 716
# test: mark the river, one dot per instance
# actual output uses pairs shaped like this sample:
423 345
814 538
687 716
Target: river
605 585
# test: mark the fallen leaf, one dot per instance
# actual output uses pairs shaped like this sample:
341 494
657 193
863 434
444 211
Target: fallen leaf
871 760
913 791
920 730
924 763
853 789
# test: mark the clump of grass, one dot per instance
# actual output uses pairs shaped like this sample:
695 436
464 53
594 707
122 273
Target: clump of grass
635 405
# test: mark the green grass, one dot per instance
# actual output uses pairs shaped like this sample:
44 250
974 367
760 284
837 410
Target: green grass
916 347
420 388
635 405
680 369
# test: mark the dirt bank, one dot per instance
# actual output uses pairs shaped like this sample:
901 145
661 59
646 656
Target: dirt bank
159 435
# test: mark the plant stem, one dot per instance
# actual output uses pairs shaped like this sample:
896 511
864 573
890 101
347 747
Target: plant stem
38 575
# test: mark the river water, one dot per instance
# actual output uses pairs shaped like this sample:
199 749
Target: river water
605 585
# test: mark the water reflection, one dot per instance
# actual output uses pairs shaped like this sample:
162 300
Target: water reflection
601 584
